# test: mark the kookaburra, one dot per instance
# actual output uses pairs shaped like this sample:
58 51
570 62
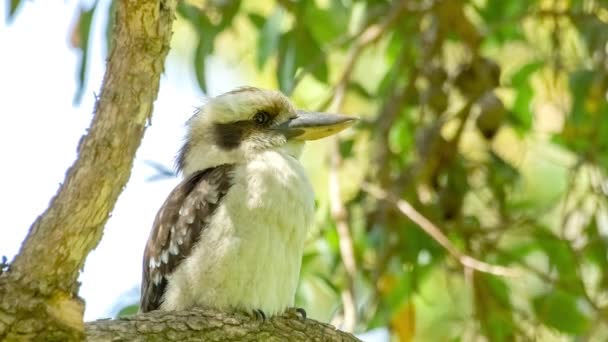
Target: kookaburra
231 235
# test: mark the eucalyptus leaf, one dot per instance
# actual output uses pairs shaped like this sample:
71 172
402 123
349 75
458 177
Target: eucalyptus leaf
269 36
84 33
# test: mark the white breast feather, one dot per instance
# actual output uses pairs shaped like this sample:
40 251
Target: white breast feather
250 255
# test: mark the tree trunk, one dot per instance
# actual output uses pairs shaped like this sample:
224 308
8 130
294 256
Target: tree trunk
38 293
207 325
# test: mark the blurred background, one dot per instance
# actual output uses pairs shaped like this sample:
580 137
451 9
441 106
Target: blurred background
469 204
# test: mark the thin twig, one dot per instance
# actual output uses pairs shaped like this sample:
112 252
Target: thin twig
338 210
434 232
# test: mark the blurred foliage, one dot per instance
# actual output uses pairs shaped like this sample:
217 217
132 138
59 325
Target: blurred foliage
490 117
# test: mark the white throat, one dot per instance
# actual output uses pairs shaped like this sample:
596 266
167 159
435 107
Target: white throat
249 256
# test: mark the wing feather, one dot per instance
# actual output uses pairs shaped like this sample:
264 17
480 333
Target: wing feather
178 226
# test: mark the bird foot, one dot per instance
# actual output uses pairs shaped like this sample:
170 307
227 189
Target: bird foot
257 315
298 313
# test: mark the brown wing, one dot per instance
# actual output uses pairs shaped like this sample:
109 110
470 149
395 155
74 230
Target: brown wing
177 228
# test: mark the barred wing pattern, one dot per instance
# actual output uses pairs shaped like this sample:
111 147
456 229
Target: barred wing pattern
178 226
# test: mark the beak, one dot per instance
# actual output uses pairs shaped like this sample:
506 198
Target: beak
313 126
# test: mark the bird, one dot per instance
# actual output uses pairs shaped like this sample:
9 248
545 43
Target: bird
230 236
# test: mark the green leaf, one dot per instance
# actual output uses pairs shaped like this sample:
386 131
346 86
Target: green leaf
206 38
522 76
257 20
12 9
585 130
229 9
561 311
521 116
326 24
110 26
597 247
191 13
593 31
561 257
497 11
286 69
310 55
493 300
203 49
346 147
580 84
401 137
84 30
269 36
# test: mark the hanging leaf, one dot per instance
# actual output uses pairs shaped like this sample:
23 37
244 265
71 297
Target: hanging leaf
326 24
521 116
561 258
206 38
493 305
257 20
286 68
203 49
269 36
309 55
496 11
80 39
561 311
109 26
12 9
228 9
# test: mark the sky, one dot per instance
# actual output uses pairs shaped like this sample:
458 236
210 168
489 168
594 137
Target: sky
40 129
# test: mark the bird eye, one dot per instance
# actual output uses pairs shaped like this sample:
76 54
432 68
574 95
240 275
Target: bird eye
261 118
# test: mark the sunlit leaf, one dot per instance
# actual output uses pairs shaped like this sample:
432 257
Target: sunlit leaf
561 311
521 116
495 12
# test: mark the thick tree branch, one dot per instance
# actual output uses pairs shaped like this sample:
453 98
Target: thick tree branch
38 295
208 325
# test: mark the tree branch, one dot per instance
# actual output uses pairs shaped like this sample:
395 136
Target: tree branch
434 232
38 295
209 325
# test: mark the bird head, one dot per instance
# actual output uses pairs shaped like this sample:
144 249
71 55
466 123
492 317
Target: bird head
246 121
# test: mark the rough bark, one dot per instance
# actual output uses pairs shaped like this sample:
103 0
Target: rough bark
207 325
38 294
